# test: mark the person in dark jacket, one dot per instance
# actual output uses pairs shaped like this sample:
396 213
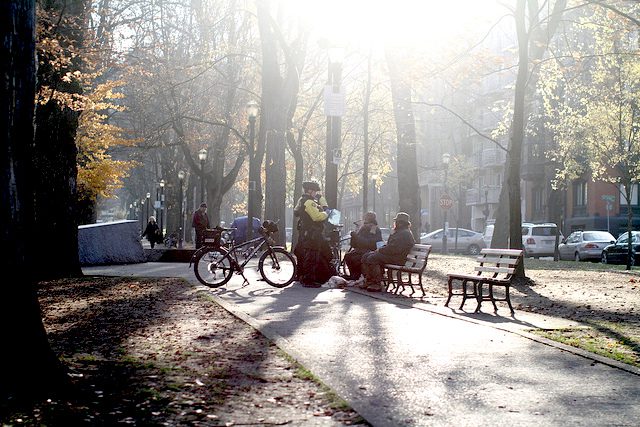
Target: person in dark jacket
312 250
152 232
362 241
200 223
394 252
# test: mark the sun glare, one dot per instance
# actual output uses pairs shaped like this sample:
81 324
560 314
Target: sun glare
407 22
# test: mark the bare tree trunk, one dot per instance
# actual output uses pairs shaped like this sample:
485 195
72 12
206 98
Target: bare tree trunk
407 168
29 369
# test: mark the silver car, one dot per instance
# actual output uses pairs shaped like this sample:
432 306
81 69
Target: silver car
585 245
467 240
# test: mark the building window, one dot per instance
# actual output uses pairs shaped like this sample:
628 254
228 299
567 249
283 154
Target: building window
634 195
538 203
579 198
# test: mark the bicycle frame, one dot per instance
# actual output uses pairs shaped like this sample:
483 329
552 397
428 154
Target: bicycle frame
234 250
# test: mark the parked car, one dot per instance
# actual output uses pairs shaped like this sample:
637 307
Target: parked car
539 239
616 253
585 245
468 241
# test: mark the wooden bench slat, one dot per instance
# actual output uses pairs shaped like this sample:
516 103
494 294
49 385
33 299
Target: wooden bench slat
489 269
511 252
487 260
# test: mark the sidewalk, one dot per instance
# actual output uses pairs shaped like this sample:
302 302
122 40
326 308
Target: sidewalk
402 363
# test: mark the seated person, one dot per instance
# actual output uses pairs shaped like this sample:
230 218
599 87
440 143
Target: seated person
394 252
362 241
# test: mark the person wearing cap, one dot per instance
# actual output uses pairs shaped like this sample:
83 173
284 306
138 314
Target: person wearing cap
362 241
394 252
200 223
312 250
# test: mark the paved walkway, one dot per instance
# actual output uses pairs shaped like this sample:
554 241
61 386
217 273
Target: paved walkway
402 363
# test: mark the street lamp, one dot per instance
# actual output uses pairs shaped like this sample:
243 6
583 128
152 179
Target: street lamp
252 113
148 203
334 106
445 162
161 205
202 155
374 178
142 216
485 211
130 211
181 175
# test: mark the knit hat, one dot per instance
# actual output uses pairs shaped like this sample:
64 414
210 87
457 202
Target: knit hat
203 205
402 217
370 218
310 185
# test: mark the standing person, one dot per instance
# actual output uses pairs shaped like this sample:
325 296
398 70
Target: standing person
152 231
200 223
312 250
394 252
362 241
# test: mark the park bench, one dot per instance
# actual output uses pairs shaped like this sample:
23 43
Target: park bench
495 268
408 274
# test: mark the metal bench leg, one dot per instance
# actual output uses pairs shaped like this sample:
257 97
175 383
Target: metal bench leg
506 290
446 304
493 301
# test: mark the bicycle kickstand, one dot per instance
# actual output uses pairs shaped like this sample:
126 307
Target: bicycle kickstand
240 271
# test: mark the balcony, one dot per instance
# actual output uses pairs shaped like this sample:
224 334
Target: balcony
475 197
490 158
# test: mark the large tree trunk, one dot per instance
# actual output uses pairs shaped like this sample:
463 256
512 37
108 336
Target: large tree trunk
407 168
29 366
517 135
280 87
55 155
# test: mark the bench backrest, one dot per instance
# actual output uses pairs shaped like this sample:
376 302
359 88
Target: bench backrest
498 263
418 256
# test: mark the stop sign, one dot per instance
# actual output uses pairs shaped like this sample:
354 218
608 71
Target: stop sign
445 201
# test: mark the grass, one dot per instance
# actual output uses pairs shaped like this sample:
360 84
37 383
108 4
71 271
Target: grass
617 341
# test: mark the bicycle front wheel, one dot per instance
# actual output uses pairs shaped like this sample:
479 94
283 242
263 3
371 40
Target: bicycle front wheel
277 267
213 267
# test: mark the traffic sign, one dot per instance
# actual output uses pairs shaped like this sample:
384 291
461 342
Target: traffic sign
445 201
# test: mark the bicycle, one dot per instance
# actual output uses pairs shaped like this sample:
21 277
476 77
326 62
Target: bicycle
336 243
214 263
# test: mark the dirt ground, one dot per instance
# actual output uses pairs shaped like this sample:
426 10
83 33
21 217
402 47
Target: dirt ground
160 352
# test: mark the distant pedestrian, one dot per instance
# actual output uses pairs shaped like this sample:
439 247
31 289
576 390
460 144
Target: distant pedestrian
394 252
362 241
200 223
152 232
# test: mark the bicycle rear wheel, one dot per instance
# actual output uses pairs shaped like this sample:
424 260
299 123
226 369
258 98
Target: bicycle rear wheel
213 267
277 267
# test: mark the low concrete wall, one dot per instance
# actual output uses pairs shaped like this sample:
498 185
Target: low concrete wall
115 242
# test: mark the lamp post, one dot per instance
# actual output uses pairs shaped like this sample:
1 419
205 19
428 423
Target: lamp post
181 176
161 205
130 211
148 203
252 113
334 106
202 155
445 162
142 216
485 211
374 179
